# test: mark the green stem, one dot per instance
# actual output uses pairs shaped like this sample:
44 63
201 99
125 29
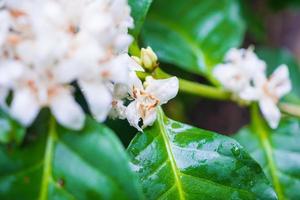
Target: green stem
290 109
47 166
134 49
260 128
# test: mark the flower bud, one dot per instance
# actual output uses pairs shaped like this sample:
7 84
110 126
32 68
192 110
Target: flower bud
148 58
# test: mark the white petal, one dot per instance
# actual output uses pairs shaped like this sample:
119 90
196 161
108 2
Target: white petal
66 110
24 106
134 82
118 69
234 55
231 77
131 63
249 94
120 91
280 82
132 115
150 118
270 111
118 110
3 95
9 72
163 89
98 98
67 71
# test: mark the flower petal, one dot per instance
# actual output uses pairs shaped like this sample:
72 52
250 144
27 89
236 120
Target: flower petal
150 118
132 115
134 83
249 94
270 111
98 98
280 82
9 72
118 110
3 95
24 106
163 89
66 110
231 77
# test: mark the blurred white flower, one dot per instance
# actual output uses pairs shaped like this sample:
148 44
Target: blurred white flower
237 72
57 42
244 74
147 97
269 92
39 88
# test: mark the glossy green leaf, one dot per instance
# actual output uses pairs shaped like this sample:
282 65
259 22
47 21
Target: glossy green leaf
278 152
10 130
276 57
88 164
139 9
193 34
177 161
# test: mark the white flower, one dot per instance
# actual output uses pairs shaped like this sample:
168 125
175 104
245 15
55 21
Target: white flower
58 42
244 74
237 72
146 99
269 92
39 88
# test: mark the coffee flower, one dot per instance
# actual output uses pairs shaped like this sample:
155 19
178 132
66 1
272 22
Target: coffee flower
146 99
269 91
244 74
120 91
238 70
55 43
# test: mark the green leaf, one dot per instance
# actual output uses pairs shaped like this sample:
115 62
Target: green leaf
278 153
276 57
193 34
279 4
10 130
139 10
64 164
177 161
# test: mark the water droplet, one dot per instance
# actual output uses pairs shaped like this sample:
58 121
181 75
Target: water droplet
235 151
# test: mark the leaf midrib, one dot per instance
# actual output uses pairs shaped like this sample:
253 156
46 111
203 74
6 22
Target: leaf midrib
47 168
170 154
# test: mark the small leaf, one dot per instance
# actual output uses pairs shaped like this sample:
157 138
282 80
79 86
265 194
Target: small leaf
177 161
10 130
278 153
88 164
193 34
139 9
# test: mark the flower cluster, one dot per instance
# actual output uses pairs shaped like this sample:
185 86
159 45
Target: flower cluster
46 46
144 98
244 74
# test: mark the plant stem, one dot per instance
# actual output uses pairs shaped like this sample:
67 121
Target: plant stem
260 128
134 49
47 166
290 109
